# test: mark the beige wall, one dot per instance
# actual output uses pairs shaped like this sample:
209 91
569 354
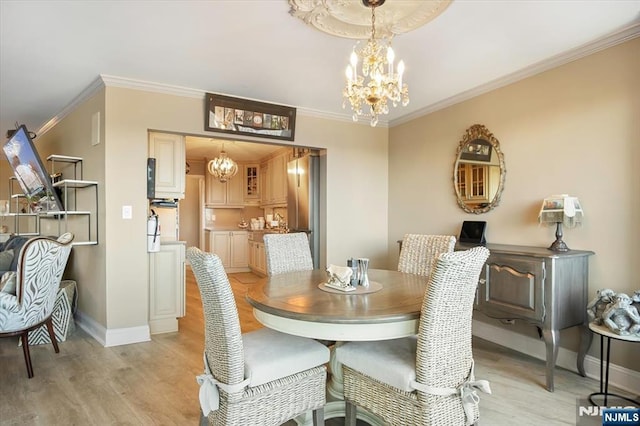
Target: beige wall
575 130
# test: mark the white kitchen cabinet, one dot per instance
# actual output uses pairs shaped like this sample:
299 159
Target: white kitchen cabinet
169 152
229 194
232 247
265 189
274 181
251 184
167 288
278 176
257 258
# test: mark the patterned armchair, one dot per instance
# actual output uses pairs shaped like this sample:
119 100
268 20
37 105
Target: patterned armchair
426 379
41 264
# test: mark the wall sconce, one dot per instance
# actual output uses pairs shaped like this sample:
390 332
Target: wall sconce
561 210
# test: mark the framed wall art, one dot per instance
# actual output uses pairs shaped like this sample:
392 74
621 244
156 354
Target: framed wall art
245 117
477 150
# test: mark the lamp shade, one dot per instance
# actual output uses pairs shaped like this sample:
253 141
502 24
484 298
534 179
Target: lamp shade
561 209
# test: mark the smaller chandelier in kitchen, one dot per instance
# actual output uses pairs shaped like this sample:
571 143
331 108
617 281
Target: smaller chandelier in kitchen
222 168
379 82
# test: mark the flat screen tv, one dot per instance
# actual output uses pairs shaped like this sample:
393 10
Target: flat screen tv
29 171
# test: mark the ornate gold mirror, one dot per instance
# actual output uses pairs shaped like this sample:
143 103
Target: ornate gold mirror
478 171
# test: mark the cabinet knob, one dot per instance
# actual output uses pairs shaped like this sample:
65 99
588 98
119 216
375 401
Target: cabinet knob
482 281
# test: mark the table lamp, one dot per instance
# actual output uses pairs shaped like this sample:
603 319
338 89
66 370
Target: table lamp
561 210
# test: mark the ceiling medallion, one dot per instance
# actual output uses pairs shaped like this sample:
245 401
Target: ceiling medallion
345 18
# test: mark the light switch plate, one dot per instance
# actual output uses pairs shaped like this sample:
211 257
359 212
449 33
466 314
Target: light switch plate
127 212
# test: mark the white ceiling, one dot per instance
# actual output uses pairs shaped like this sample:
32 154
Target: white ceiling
50 51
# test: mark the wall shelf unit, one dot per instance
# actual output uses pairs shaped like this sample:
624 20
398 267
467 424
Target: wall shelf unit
73 196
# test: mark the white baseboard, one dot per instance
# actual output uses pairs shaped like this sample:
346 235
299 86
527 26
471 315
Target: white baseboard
112 337
91 327
621 377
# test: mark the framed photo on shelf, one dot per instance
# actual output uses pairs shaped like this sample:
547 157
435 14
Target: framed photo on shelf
245 117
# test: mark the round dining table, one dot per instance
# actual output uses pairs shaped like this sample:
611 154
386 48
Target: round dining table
299 303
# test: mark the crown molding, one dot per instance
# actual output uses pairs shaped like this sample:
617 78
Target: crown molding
93 88
625 34
148 86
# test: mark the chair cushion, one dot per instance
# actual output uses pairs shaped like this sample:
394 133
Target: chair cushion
8 283
390 361
270 355
6 257
15 242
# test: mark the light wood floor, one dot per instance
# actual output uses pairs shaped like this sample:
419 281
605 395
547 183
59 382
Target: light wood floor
153 383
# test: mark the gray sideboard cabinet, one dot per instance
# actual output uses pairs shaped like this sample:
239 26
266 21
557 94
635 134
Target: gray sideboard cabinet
544 288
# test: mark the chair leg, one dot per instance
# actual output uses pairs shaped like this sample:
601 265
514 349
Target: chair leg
318 417
350 414
25 350
52 334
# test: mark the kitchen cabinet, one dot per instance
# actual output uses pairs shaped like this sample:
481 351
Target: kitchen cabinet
169 152
251 184
229 194
257 258
278 178
275 181
232 248
473 181
265 189
544 288
167 287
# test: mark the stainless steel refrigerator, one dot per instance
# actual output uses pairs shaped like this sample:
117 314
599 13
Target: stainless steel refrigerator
303 195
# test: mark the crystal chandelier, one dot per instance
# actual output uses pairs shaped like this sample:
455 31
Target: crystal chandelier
223 168
379 81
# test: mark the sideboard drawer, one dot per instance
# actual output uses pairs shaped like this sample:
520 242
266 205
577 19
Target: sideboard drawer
513 288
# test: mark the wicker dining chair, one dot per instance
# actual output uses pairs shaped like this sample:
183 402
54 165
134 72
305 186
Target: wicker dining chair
420 252
287 253
426 379
263 377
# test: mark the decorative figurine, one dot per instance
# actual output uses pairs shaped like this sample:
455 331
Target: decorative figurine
339 276
636 300
597 306
621 317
